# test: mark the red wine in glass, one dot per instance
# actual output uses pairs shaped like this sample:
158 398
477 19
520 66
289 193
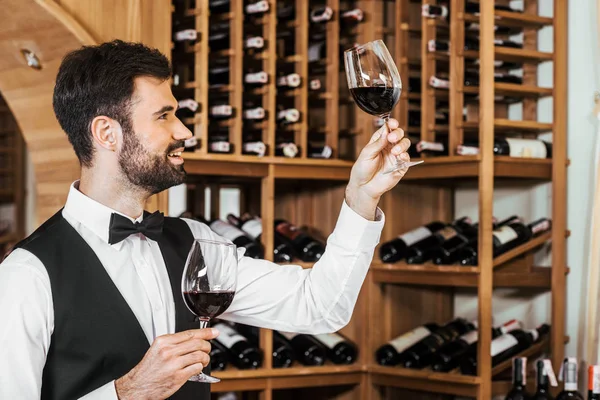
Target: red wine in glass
375 84
208 283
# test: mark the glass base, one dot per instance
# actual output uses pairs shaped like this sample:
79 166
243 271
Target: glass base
203 378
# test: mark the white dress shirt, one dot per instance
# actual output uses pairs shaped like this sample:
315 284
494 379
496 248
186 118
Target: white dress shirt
287 298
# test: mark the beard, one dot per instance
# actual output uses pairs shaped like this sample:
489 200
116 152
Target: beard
151 172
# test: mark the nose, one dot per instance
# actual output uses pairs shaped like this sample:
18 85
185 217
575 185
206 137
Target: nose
182 132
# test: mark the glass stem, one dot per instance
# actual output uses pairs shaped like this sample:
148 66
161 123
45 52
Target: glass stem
204 323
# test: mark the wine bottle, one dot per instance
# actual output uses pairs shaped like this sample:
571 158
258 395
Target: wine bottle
519 380
286 149
289 81
218 142
191 144
305 246
288 116
443 11
186 108
255 148
448 251
504 347
542 390
396 249
237 237
321 151
219 37
472 79
283 252
448 357
509 236
471 43
185 35
568 373
256 78
254 113
315 84
414 118
242 354
219 6
321 14
421 354
218 356
431 148
339 349
513 147
221 111
351 17
389 353
254 42
424 249
468 254
594 382
256 8
286 12
283 353
307 349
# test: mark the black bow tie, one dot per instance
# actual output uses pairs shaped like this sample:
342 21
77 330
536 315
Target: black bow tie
120 227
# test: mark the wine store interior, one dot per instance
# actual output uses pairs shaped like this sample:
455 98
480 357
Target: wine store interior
485 280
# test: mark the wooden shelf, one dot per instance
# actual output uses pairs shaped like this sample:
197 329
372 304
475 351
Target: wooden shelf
508 125
427 381
520 250
514 55
515 19
514 90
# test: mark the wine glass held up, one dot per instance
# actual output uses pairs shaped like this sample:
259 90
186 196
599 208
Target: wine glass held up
208 288
375 85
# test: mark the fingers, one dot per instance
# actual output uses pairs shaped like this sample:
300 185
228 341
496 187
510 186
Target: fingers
401 147
196 357
380 140
179 337
191 346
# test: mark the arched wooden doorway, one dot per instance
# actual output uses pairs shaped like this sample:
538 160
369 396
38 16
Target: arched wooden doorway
50 29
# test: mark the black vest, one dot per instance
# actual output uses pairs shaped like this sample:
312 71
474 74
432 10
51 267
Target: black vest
97 338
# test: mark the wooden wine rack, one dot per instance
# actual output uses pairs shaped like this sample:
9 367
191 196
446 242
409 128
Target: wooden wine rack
395 297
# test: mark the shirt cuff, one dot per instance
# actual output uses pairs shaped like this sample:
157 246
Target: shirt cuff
355 232
106 392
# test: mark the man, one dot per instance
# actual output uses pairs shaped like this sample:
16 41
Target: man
91 311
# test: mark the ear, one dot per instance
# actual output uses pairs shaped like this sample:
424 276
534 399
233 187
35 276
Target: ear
105 132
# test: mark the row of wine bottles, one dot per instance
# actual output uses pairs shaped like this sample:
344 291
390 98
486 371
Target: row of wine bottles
239 344
546 377
245 231
454 345
456 242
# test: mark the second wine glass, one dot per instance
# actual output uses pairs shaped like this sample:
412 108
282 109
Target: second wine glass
208 284
375 84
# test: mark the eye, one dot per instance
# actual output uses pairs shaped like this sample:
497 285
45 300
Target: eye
163 116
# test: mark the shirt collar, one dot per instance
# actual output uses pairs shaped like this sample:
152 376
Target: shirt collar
92 214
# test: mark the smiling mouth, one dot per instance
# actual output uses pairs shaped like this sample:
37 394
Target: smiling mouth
176 153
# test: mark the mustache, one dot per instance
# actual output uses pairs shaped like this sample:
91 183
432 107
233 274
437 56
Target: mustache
176 145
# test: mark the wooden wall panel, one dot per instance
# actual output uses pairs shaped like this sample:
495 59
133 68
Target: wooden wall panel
52 29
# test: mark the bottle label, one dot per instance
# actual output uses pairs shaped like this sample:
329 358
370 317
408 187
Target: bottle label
228 336
220 147
289 335
354 15
315 84
542 226
463 150
526 148
415 235
321 15
534 334
549 372
288 230
403 342
330 339
256 77
225 230
290 115
447 233
594 379
189 104
505 234
431 146
191 142
258 7
502 343
323 152
255 42
188 34
510 326
289 149
253 227
254 113
470 337
314 51
258 148
439 83
291 80
222 110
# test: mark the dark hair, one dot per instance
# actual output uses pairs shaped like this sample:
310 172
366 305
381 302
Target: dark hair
99 80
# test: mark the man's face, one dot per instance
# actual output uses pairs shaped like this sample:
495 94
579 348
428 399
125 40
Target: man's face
151 153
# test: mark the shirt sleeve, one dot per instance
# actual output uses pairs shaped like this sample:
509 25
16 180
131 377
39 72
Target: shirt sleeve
315 300
106 392
27 322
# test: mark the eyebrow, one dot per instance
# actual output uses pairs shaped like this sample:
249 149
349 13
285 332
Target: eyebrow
164 110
